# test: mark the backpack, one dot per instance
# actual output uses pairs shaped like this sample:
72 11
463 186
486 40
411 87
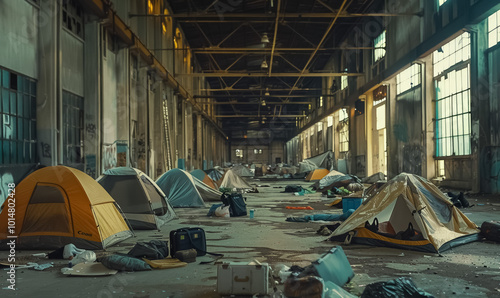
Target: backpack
236 203
153 250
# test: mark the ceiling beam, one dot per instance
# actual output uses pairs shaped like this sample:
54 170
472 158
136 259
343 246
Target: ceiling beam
261 116
297 15
218 50
263 96
256 103
260 89
325 35
265 74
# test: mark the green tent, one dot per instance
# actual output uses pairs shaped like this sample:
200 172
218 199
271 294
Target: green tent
180 188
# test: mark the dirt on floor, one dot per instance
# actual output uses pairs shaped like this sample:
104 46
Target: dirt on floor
468 270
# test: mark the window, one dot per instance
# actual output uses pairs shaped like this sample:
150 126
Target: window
453 116
440 168
377 102
494 29
343 82
379 44
457 50
453 104
343 130
17 118
72 17
441 2
380 113
408 78
329 121
72 129
320 126
257 151
239 153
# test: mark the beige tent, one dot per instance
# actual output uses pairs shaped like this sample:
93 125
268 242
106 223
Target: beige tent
232 180
411 199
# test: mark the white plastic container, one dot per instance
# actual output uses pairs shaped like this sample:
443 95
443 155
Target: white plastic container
242 278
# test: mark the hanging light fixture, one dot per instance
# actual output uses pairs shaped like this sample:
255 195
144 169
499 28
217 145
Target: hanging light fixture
263 102
267 92
264 64
264 38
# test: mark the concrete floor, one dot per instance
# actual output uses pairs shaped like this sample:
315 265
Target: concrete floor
469 270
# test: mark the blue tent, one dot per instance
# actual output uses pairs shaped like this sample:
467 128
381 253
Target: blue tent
179 186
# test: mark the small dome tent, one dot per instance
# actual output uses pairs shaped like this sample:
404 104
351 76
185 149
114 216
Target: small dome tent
179 186
59 205
203 177
407 201
142 201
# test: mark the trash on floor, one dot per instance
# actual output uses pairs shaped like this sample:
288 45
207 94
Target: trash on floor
399 287
88 269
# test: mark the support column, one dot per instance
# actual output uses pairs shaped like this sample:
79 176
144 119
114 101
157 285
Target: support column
392 152
48 89
480 112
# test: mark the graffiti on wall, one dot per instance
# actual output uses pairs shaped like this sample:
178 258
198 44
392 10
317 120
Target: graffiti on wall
90 128
412 158
490 169
90 165
360 165
12 174
109 157
46 149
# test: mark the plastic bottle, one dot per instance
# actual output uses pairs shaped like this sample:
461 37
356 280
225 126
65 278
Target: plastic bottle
252 211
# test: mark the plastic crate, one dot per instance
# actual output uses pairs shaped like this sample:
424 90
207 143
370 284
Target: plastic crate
351 203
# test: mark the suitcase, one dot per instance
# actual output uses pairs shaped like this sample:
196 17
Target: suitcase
186 238
334 266
242 278
236 203
491 230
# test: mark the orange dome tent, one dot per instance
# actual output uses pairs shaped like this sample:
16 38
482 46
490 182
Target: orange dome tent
55 206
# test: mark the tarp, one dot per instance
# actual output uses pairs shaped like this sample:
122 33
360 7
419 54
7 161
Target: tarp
324 160
317 174
179 186
55 206
143 202
203 177
242 171
232 180
333 179
374 178
411 199
206 192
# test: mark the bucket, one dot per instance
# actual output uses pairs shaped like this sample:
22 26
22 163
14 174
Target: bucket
351 203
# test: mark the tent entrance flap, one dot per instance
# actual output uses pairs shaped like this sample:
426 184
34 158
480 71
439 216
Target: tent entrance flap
47 211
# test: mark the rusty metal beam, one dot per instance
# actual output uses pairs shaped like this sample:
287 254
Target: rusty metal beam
264 74
260 89
325 35
261 116
289 15
263 96
256 103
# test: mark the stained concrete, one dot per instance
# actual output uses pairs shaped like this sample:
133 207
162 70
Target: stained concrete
469 270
